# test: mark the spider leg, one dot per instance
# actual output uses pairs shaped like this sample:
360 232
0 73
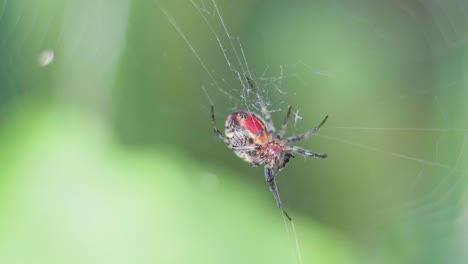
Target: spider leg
270 178
307 134
266 114
309 153
284 124
246 148
216 130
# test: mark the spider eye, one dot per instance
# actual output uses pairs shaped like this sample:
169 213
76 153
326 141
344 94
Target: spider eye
243 115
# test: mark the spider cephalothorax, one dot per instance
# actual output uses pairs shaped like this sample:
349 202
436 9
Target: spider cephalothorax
255 141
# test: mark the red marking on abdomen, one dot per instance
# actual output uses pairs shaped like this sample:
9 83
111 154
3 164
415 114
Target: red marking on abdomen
254 125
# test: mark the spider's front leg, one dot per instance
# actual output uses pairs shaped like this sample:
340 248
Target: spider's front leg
216 130
307 134
309 153
270 179
284 124
245 148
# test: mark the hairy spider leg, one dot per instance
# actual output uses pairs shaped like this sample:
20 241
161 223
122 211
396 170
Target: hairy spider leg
216 130
246 148
270 178
284 124
307 134
307 152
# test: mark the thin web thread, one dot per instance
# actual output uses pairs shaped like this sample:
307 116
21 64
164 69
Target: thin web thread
404 129
297 249
194 51
395 154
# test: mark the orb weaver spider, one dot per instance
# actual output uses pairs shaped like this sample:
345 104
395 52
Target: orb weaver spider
255 140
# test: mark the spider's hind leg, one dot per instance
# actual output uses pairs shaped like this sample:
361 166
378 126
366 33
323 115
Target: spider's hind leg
270 178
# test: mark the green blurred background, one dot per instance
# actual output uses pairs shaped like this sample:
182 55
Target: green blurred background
108 154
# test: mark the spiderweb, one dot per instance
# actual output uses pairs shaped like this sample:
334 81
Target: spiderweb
397 127
390 74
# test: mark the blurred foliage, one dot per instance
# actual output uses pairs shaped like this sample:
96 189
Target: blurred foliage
109 156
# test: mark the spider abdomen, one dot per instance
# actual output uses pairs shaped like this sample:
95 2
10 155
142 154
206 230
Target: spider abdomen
248 135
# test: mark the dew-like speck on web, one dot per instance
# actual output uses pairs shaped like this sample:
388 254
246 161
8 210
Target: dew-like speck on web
46 57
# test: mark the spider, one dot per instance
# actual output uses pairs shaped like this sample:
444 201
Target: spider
255 140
